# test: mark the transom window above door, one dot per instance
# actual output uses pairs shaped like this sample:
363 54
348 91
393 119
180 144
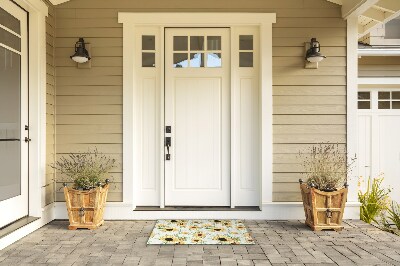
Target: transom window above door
197 51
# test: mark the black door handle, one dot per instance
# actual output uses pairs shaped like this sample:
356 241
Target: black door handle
168 144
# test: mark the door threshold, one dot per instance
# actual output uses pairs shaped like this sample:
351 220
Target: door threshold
8 229
196 208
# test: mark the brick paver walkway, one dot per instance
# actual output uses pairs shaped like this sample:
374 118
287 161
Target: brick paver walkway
278 243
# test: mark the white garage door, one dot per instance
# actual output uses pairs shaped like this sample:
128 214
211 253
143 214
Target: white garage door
379 136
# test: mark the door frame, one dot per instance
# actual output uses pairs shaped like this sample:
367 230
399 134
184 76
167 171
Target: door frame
132 130
37 12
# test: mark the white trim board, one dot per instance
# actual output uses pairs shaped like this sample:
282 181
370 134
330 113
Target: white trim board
132 124
270 211
379 80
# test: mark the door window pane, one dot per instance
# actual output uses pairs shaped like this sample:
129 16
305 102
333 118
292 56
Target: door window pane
197 43
214 43
10 39
214 60
7 20
197 60
384 105
364 105
148 42
148 59
364 95
246 42
396 95
180 43
10 124
396 105
180 60
246 59
384 95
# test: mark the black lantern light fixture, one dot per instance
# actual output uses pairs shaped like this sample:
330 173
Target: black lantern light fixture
81 54
313 54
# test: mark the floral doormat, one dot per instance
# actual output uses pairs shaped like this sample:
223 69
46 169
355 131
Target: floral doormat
200 232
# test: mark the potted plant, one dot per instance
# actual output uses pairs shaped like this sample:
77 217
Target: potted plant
324 192
86 198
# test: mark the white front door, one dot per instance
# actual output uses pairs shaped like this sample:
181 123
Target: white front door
13 113
378 136
197 108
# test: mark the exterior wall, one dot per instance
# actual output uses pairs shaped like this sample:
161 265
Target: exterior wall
50 107
379 66
309 104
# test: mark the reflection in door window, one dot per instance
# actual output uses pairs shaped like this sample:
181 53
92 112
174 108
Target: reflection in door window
214 60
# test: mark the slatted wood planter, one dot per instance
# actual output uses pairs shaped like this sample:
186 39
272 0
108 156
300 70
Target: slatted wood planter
323 210
85 207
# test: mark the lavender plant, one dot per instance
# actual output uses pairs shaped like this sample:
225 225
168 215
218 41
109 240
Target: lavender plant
86 170
325 166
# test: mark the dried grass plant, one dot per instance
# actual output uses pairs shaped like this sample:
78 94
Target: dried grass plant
325 166
86 170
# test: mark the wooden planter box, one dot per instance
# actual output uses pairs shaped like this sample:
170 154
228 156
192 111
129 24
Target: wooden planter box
85 207
323 210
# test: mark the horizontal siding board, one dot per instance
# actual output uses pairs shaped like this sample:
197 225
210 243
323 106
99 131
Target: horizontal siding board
312 109
89 120
89 109
309 90
89 129
309 120
309 138
88 100
89 138
89 90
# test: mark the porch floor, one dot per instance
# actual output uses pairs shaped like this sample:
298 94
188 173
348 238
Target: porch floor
277 243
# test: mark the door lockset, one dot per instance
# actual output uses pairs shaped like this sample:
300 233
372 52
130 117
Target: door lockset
168 144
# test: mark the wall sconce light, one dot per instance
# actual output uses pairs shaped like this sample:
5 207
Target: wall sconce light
81 54
313 55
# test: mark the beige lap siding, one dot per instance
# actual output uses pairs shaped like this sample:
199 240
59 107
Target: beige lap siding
309 104
379 66
48 188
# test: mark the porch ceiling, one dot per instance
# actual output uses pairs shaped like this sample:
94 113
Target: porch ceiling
371 13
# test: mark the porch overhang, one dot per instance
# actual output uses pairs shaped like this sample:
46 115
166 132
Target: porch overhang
370 13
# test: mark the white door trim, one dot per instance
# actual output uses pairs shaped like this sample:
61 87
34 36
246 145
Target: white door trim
131 122
37 102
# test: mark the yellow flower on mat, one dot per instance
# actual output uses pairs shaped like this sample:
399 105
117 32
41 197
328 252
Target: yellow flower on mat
170 239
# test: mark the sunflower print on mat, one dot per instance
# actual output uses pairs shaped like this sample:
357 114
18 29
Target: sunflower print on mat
200 232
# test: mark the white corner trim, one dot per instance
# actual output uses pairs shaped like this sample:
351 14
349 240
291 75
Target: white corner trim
379 80
270 211
47 216
352 88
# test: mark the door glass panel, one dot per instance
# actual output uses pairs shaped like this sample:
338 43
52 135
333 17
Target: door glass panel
10 39
197 43
148 42
7 20
384 105
396 95
180 43
384 95
214 43
10 121
214 60
396 105
197 60
246 59
364 95
364 105
180 60
148 59
246 42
